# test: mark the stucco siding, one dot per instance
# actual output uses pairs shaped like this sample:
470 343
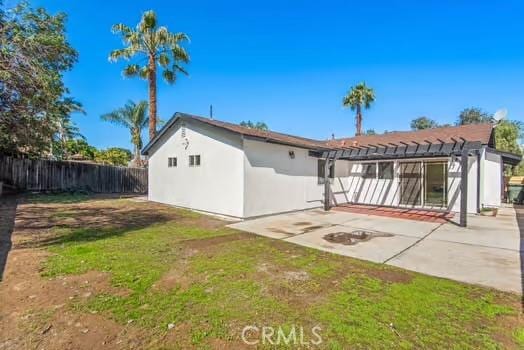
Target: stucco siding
275 182
491 179
215 186
370 190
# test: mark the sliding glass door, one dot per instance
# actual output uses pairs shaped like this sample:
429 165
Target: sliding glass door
423 184
435 184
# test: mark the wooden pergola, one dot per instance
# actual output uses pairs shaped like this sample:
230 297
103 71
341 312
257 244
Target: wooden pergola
404 150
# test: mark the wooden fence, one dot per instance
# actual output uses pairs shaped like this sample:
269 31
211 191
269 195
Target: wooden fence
50 175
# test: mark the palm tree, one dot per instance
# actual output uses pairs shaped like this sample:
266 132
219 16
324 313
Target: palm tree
134 117
358 96
159 47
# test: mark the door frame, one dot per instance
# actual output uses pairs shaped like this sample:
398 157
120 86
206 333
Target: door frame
422 162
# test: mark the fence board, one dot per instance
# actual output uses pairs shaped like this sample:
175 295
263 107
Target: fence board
51 175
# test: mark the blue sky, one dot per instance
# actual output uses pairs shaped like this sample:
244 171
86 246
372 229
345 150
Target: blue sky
289 63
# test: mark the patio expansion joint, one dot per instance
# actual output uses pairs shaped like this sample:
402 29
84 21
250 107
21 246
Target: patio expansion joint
476 245
412 245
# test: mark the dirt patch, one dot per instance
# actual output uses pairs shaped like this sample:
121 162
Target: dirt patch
354 237
36 224
69 330
391 276
174 278
296 275
36 311
220 344
204 243
205 222
506 324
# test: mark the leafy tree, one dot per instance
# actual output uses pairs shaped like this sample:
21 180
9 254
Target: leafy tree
159 47
114 156
473 115
507 135
66 129
422 123
371 132
132 116
79 147
34 105
357 97
254 125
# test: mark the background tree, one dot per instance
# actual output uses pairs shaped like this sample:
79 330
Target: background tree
34 104
508 133
371 132
132 116
473 115
357 97
254 125
422 123
114 156
159 47
66 129
80 147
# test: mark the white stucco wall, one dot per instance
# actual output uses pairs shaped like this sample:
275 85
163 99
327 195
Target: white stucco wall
215 186
370 190
246 178
491 179
275 183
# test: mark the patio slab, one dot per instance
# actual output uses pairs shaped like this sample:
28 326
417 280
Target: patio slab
496 232
487 266
488 252
377 249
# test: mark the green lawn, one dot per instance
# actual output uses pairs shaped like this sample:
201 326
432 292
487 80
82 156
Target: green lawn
177 267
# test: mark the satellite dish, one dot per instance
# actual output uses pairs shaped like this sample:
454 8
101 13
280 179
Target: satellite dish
500 115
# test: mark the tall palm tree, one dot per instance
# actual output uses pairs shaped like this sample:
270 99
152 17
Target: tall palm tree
134 117
357 97
157 46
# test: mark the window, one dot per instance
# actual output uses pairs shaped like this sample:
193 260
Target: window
194 160
369 170
171 162
321 165
385 170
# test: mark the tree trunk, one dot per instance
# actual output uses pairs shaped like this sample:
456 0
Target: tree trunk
358 120
138 160
152 96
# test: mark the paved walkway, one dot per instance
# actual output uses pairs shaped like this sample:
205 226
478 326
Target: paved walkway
7 222
487 252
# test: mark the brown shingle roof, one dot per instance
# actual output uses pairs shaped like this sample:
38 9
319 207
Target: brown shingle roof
270 136
471 132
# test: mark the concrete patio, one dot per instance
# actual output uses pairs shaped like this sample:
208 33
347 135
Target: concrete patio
487 252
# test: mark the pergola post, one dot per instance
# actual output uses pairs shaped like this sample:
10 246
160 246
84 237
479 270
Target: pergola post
327 190
464 187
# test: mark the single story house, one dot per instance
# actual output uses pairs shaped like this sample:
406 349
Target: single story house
223 168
